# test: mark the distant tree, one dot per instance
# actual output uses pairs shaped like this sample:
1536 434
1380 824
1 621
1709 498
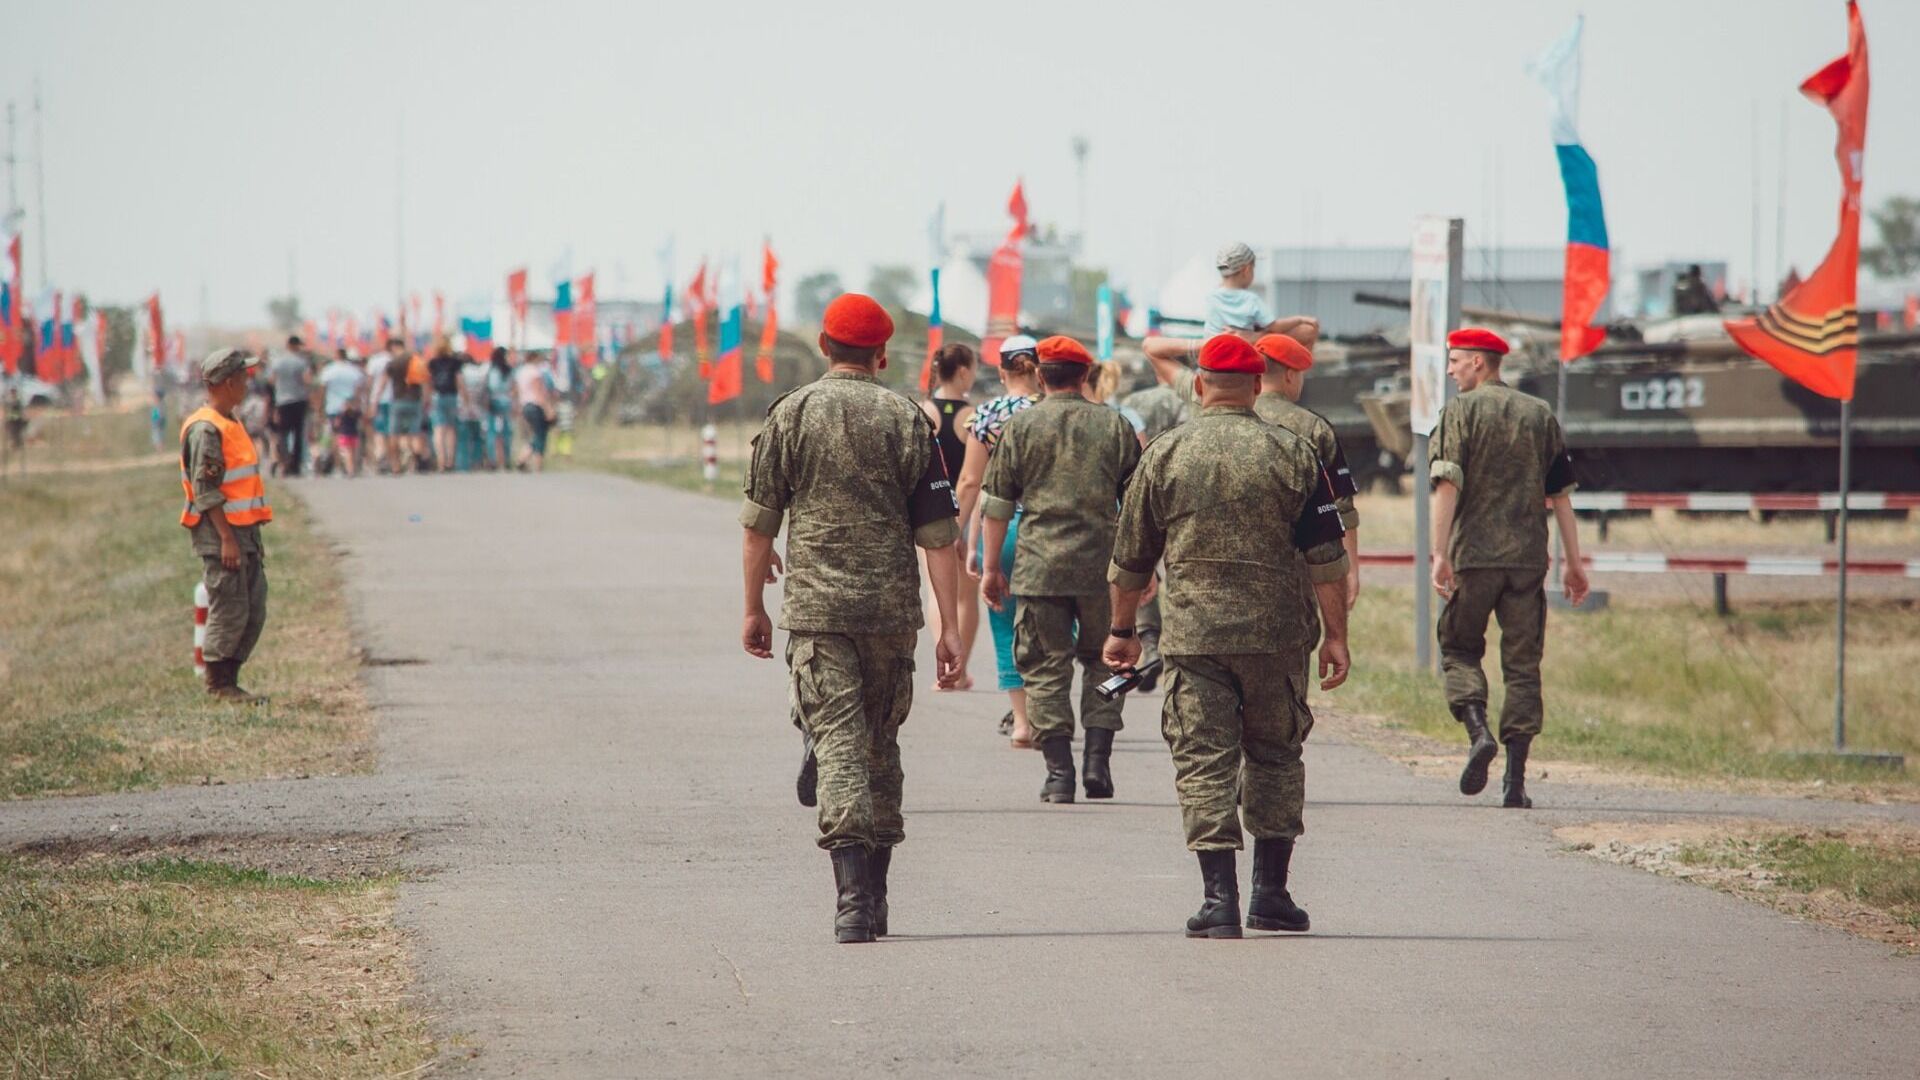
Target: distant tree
1898 253
284 312
892 285
814 293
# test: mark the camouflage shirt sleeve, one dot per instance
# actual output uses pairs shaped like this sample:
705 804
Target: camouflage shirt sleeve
206 463
1448 451
1000 491
1141 538
1559 462
768 489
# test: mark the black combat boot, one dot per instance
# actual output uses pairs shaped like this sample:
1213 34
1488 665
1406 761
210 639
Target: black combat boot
1473 778
807 786
1515 786
852 875
1219 914
1271 907
1094 770
877 864
1058 751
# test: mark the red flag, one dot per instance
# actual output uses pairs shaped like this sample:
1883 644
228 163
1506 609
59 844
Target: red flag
12 334
585 333
698 302
157 330
1913 311
769 330
439 313
1017 208
725 384
1813 333
517 303
1003 298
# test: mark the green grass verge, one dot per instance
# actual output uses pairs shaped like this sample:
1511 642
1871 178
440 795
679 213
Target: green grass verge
1675 690
1877 875
97 691
176 967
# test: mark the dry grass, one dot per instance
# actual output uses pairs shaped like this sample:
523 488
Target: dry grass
97 691
161 967
1864 879
1674 691
661 455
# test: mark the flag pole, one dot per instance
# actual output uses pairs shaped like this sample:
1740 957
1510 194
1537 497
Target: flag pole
1840 636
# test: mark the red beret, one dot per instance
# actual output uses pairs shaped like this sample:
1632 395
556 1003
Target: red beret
1061 349
1285 351
856 320
1473 337
1230 354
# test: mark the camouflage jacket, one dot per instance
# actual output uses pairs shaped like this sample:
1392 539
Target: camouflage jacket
854 469
1066 461
1244 517
1160 408
1503 449
1274 408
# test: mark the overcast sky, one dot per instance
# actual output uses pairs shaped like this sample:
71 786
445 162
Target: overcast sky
193 144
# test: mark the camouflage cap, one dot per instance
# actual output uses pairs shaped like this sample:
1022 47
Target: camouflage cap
222 364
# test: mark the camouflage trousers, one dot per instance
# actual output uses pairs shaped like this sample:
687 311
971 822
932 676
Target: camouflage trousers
1049 634
1518 599
850 693
1235 724
236 607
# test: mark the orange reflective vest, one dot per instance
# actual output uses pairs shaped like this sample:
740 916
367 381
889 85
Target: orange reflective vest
243 489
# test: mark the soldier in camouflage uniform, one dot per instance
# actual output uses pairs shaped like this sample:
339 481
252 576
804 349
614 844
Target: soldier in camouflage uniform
1244 516
854 469
1288 357
1496 455
226 505
1066 460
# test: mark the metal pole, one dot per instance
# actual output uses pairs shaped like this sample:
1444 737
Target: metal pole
1840 636
40 181
1422 558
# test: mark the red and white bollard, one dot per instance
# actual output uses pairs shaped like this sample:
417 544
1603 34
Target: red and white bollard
710 454
200 601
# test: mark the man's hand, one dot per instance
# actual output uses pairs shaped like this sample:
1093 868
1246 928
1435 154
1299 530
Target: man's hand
1353 584
1443 576
756 635
230 553
1121 653
1573 581
1334 659
993 586
946 656
774 567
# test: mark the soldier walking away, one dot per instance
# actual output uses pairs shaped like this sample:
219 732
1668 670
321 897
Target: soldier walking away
1064 462
1497 454
226 505
1244 517
854 469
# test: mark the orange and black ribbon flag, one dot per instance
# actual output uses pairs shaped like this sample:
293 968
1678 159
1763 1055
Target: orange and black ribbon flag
1813 333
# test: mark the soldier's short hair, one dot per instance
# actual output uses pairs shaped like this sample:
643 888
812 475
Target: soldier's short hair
1231 382
842 353
1062 376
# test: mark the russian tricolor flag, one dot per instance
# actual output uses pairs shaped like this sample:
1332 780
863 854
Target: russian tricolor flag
726 382
1584 288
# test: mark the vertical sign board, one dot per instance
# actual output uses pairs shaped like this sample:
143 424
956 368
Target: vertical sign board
1435 310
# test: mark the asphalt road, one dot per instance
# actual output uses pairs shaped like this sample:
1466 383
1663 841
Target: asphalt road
619 882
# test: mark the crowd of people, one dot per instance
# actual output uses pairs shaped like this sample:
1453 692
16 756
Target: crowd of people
404 411
1206 522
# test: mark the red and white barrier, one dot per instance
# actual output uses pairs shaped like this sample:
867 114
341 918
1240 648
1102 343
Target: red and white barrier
1741 502
710 454
200 602
1627 562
